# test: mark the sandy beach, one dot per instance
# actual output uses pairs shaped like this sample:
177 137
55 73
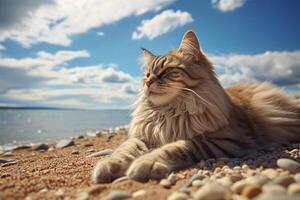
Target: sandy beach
47 172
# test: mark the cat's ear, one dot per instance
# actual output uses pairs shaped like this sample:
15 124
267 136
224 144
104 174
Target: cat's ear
190 44
147 56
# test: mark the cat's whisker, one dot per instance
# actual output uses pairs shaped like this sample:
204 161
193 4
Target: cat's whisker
195 93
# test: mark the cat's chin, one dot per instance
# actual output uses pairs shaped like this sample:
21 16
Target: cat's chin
159 99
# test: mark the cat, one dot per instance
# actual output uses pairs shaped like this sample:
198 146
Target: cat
183 115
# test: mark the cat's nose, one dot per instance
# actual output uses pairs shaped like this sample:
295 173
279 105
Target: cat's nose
149 82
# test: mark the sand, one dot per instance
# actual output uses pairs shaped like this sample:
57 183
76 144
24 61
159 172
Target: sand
65 173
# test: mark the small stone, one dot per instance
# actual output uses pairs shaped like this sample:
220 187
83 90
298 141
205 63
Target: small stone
40 147
7 154
43 190
270 173
178 196
273 188
3 161
104 152
172 178
193 178
197 183
64 143
95 189
75 152
225 181
251 191
165 183
269 196
121 179
259 179
139 193
80 137
118 195
59 192
184 190
285 180
237 197
22 147
288 164
239 186
9 164
235 177
294 189
297 178
212 191
88 145
90 151
83 196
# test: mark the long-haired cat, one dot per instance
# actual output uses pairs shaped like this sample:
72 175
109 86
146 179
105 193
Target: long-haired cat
184 115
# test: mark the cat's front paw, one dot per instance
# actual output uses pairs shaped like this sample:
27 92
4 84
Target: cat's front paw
144 169
108 170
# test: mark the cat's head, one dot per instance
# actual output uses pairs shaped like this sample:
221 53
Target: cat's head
165 77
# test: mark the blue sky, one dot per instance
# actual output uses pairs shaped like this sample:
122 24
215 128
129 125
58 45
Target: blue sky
85 53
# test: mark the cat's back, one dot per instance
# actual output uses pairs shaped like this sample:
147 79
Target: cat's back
270 109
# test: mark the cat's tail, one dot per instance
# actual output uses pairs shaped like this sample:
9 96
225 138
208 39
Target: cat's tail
279 113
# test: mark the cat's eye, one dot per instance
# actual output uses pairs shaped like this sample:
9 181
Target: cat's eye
147 75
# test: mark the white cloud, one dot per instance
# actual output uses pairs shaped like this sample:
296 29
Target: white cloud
227 5
2 47
56 23
100 33
281 68
59 84
162 23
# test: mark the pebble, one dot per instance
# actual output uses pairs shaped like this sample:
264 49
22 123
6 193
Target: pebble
193 178
288 164
3 161
178 196
273 188
269 196
172 178
59 192
64 143
260 179
75 152
40 147
7 154
284 180
139 193
197 183
297 178
121 179
239 186
95 189
118 195
22 147
212 191
88 145
293 189
235 177
251 191
9 164
270 173
165 183
104 152
83 196
80 137
43 190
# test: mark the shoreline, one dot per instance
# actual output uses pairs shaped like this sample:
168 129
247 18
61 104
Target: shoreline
19 144
53 171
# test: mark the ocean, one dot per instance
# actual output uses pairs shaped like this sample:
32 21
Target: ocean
26 126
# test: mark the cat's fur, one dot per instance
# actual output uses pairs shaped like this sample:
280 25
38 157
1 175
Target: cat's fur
184 115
